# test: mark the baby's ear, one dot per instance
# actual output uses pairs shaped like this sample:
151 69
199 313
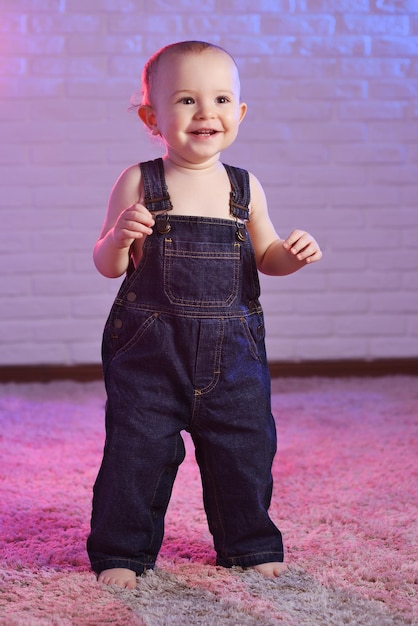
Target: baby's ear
147 115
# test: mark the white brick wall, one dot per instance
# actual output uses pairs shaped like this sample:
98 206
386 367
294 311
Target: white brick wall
332 132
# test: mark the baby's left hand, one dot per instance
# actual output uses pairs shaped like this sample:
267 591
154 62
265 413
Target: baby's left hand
302 246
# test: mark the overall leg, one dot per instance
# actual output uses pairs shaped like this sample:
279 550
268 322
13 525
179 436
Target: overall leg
235 439
142 453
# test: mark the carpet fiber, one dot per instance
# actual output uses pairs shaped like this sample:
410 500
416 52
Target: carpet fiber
345 499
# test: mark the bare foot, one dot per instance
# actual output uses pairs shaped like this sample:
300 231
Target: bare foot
271 570
125 578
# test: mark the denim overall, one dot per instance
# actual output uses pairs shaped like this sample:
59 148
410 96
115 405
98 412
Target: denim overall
183 349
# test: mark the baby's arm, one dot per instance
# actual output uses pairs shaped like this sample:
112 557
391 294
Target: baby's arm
276 256
127 221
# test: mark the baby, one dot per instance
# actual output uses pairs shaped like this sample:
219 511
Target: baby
183 347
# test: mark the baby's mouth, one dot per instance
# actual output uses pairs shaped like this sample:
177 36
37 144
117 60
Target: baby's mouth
204 132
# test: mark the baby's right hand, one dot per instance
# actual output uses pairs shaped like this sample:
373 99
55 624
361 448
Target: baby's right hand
133 223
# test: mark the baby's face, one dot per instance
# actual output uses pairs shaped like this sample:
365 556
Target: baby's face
196 102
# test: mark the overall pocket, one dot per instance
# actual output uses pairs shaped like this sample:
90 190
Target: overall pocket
200 273
126 330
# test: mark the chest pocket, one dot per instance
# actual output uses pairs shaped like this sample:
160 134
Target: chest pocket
201 273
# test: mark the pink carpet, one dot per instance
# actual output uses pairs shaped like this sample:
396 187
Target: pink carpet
345 498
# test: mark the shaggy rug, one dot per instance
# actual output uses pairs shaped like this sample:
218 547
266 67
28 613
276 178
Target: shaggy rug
345 498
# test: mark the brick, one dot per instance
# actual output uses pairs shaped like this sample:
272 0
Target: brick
332 46
303 325
332 348
11 154
65 23
375 24
369 153
337 303
74 153
297 110
374 68
392 301
413 326
207 24
20 197
307 153
47 197
14 331
59 284
363 196
394 46
373 325
29 308
85 44
22 6
12 66
394 175
30 133
403 217
372 110
345 262
412 153
322 25
259 86
304 196
123 65
396 6
385 280
18 287
63 329
398 259
329 132
91 306
31 87
330 176
86 351
295 67
31 353
95 87
148 23
262 6
36 44
398 131
391 347
409 238
334 6
34 176
106 6
12 23
394 90
78 66
183 6
331 90
268 45
409 196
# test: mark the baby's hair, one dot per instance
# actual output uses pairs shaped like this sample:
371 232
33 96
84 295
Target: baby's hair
151 66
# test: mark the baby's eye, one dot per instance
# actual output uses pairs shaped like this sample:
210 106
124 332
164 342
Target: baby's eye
187 100
222 99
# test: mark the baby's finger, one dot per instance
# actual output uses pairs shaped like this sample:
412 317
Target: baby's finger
292 239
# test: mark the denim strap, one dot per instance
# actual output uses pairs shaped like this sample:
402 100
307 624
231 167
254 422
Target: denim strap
156 196
240 194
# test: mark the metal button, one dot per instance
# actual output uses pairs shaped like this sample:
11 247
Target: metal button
131 296
118 323
241 232
163 226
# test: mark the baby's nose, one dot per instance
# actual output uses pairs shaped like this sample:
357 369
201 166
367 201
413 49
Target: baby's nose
206 110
